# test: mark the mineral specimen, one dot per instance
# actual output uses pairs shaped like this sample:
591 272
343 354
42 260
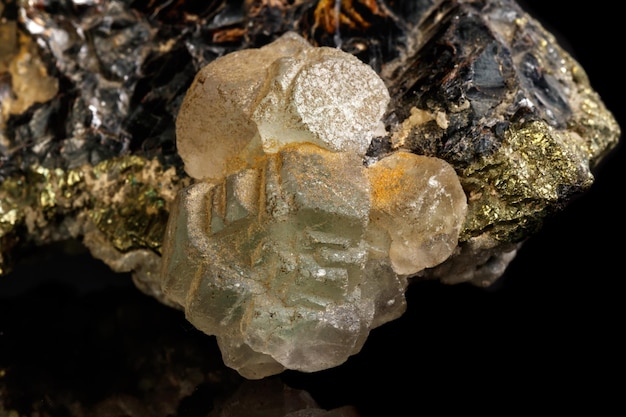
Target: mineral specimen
90 152
292 259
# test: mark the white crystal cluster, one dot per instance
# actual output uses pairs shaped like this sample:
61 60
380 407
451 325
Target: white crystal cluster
288 248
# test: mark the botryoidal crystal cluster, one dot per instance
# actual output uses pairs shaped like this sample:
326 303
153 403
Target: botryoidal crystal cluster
283 180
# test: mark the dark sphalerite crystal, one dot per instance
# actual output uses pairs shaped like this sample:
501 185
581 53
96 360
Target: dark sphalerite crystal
486 69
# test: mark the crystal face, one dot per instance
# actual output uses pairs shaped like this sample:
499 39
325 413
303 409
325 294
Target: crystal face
258 100
291 249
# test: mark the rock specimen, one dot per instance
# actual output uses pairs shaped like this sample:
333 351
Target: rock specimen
475 83
291 259
491 92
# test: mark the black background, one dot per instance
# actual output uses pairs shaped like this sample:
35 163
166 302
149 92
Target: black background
546 337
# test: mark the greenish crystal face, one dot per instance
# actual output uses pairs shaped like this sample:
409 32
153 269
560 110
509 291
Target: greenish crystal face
300 278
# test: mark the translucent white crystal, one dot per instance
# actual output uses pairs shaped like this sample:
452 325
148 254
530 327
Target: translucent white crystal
258 100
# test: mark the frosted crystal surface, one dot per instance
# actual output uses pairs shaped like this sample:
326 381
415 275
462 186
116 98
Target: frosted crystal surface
288 247
322 96
255 101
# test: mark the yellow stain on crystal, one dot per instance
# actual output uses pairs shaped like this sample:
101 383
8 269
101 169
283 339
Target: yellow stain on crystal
387 184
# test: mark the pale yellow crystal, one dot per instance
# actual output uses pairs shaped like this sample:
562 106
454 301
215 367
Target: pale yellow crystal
419 201
213 125
256 101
